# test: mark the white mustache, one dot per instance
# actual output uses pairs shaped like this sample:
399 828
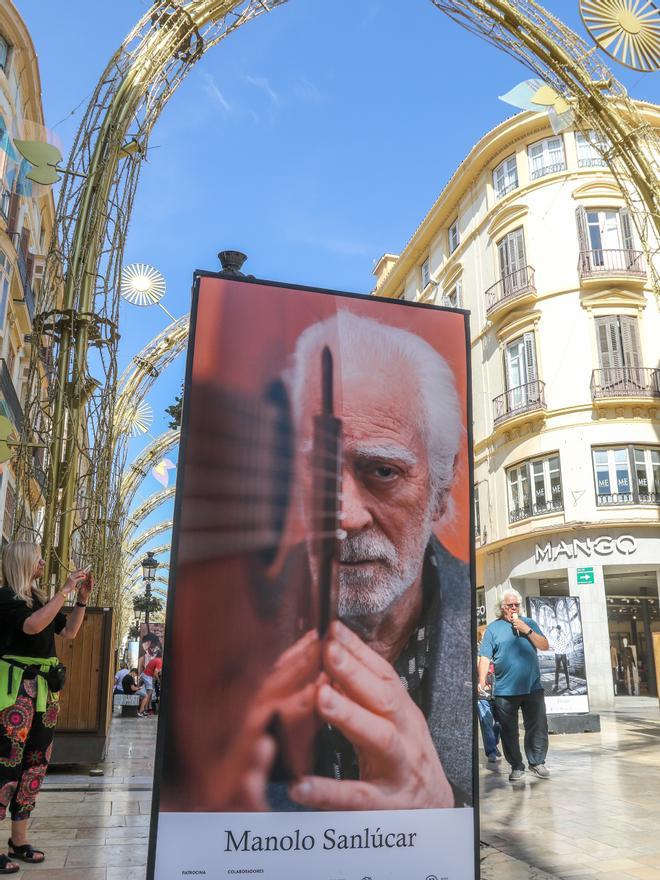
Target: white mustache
367 548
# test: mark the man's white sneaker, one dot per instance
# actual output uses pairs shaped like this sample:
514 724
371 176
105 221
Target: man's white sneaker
517 775
540 770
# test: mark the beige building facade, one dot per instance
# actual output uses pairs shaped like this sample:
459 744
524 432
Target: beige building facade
26 223
533 237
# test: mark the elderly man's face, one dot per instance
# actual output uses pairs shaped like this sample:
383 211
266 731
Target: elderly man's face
510 606
387 505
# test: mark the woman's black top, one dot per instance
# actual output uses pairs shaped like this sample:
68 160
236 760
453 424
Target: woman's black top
13 614
128 683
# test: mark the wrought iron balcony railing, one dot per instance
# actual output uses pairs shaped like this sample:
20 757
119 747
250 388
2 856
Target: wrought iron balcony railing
523 398
520 513
548 169
510 286
622 261
628 498
10 395
625 382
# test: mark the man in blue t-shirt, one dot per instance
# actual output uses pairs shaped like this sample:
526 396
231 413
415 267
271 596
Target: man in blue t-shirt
512 642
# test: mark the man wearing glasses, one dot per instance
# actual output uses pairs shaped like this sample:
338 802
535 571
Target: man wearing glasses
512 643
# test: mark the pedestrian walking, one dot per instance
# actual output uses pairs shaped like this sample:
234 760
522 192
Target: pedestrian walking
30 678
511 642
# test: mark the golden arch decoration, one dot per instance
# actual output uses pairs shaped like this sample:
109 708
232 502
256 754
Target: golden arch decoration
78 306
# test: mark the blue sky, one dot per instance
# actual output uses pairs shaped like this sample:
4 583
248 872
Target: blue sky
314 138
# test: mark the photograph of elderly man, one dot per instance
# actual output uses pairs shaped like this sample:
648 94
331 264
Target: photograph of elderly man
352 691
512 643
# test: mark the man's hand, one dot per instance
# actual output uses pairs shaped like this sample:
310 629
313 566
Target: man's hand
522 627
399 767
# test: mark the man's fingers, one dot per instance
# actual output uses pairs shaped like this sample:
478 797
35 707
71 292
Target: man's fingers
368 732
380 692
320 793
359 649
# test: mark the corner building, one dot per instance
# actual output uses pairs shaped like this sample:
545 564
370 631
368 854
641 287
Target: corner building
532 236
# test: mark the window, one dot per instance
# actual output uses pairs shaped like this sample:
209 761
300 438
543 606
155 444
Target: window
627 475
505 177
546 157
425 273
522 385
4 53
513 263
5 278
454 236
590 149
534 488
454 298
619 356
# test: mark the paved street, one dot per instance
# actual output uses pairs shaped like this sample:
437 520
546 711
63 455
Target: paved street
597 819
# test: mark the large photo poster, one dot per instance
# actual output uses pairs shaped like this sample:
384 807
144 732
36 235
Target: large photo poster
317 717
563 672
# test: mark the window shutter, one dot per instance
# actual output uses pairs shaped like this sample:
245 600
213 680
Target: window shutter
630 339
626 230
583 233
503 257
530 357
12 217
459 294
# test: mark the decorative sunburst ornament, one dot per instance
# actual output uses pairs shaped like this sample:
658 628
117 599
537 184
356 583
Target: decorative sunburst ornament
626 30
534 94
138 419
142 285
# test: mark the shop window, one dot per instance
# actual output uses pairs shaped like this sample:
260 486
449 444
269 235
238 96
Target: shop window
627 475
505 177
590 149
454 236
546 157
425 272
534 488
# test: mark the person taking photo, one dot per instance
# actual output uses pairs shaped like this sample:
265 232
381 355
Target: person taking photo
30 678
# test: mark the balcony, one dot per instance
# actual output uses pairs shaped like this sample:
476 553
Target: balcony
11 397
553 506
519 401
511 290
628 498
625 382
611 265
551 168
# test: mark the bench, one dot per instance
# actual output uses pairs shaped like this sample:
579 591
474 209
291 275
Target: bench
129 704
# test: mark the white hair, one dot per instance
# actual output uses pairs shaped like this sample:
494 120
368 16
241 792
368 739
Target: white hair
509 591
380 346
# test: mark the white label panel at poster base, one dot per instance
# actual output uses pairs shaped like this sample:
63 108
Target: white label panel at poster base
373 845
567 705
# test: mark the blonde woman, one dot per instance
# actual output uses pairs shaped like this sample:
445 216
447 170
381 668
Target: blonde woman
28 701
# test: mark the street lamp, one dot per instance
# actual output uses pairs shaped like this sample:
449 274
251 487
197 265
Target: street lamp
149 566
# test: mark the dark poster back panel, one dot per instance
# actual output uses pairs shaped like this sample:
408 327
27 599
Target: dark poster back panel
325 476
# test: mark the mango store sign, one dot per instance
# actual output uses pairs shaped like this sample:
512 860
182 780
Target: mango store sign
589 548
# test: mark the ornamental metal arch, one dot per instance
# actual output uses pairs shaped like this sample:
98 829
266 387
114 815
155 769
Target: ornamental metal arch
76 325
138 542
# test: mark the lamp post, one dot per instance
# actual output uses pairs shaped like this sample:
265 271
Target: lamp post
149 566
